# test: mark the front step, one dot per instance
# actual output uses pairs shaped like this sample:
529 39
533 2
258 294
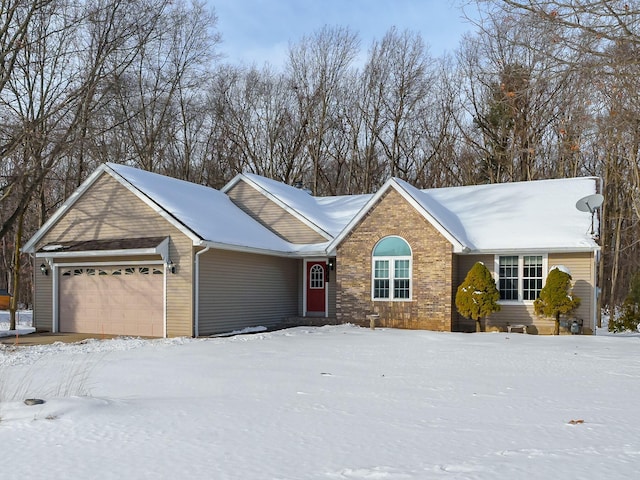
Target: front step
309 321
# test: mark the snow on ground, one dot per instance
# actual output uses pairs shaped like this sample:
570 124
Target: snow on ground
23 322
337 402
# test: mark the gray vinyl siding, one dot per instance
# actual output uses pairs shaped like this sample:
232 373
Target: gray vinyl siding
108 210
331 285
240 290
272 216
43 300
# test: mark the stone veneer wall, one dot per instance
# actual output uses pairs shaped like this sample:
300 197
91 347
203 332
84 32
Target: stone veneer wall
430 307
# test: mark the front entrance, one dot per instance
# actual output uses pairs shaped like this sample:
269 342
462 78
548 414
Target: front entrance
316 287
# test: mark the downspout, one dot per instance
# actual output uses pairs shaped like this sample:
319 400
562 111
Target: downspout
196 320
55 321
596 292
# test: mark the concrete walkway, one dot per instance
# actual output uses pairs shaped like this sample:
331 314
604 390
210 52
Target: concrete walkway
49 338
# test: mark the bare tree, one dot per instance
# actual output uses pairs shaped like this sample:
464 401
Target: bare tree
316 68
600 40
398 72
518 98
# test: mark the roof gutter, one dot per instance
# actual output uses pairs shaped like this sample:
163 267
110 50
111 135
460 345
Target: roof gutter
261 251
493 251
196 320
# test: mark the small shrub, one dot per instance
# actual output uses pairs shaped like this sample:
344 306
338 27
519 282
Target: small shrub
555 297
477 297
629 318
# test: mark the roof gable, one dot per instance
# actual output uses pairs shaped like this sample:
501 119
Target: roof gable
29 247
272 215
326 215
409 193
205 215
207 212
520 216
539 215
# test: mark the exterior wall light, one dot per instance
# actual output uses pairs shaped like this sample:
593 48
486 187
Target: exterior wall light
44 270
171 267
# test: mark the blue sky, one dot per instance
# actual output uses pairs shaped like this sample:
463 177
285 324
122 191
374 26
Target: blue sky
258 31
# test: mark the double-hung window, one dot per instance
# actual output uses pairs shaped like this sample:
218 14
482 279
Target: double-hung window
520 277
391 270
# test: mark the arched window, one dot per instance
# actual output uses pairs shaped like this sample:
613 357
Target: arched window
317 277
391 270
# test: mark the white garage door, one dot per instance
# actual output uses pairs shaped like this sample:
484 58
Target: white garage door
113 300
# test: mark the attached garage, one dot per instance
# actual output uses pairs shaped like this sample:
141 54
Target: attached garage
120 300
110 286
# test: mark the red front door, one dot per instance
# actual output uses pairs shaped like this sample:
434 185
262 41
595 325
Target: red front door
316 284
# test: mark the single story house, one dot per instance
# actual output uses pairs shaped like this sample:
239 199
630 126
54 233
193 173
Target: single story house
137 253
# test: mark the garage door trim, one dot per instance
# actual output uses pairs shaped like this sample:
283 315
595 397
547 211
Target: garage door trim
140 262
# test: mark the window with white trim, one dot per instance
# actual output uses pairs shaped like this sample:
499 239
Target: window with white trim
520 277
391 270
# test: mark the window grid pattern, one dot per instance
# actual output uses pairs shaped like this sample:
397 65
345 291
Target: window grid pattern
508 278
531 277
520 278
401 279
391 270
381 279
317 277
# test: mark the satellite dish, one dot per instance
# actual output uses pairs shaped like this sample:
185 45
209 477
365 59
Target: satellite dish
590 203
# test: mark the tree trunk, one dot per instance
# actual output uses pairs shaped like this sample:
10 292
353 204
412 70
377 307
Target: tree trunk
556 328
478 325
13 306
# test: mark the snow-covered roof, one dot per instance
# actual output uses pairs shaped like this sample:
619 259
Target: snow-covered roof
329 215
537 215
207 212
522 216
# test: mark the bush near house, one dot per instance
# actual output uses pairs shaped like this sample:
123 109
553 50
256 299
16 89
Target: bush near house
629 319
555 297
477 297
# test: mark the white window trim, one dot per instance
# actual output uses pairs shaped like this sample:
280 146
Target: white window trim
392 272
496 273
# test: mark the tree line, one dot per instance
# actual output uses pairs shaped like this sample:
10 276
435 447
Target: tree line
540 89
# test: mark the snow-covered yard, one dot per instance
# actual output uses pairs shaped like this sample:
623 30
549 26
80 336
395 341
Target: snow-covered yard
324 403
23 322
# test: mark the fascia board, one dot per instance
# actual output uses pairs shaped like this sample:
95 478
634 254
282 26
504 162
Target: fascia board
100 253
520 251
261 251
359 216
29 247
232 182
161 249
458 246
286 207
154 206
